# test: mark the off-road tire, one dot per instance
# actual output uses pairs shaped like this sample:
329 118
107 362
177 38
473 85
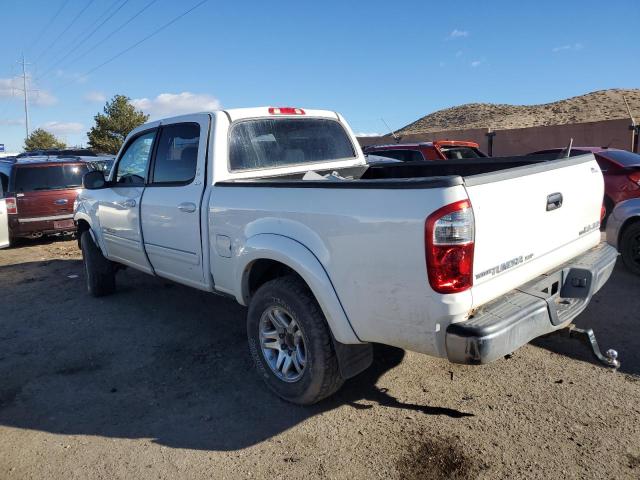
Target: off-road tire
628 247
321 376
99 272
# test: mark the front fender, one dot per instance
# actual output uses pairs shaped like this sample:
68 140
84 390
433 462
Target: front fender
301 260
81 215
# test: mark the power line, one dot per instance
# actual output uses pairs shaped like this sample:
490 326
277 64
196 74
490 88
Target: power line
108 36
65 30
131 47
44 30
78 44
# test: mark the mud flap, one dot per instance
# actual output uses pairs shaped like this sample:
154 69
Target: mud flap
353 359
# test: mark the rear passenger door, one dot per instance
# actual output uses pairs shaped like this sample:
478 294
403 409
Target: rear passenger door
171 206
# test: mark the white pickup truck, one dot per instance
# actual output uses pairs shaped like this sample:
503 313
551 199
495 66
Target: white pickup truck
276 207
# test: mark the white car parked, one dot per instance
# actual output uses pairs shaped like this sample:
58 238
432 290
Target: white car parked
277 207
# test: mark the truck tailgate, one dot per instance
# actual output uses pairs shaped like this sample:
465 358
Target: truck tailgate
531 219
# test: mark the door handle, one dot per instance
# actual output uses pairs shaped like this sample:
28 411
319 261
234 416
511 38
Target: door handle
130 203
187 207
554 201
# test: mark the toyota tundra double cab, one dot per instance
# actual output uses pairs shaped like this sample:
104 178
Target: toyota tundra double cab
277 208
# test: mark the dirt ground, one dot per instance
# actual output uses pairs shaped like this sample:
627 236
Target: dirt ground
156 382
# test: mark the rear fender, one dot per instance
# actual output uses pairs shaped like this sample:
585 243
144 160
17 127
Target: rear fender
302 261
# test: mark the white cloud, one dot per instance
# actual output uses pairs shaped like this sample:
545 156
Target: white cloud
74 77
95 97
367 134
12 87
168 104
572 46
62 128
476 63
42 98
455 33
11 122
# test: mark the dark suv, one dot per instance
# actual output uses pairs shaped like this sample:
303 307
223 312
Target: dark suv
39 195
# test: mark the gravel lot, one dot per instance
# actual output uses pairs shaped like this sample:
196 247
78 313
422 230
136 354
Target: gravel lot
155 382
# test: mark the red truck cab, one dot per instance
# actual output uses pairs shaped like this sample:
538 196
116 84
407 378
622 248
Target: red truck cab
437 150
39 195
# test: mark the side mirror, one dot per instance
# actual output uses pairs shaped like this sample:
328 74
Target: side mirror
94 180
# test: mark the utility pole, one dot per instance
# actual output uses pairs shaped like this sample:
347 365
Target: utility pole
25 91
635 128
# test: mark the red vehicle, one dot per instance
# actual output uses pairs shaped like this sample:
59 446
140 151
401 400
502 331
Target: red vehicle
620 169
438 150
38 196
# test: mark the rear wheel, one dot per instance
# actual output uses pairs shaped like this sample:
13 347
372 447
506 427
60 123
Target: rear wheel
99 272
290 342
630 247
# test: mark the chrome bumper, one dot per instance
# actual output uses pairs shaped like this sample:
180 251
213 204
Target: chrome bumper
541 306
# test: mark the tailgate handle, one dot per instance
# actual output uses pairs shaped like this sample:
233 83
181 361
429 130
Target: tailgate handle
554 201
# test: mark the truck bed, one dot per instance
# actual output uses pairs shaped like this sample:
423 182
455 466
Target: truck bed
423 174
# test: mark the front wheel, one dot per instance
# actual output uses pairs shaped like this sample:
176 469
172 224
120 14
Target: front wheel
99 272
290 342
630 247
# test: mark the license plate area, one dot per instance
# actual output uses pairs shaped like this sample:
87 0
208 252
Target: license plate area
62 224
565 291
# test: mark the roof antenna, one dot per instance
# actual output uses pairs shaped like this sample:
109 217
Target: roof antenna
566 153
635 130
393 134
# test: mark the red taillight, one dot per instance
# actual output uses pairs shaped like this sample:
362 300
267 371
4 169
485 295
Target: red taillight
635 178
603 212
286 111
449 245
12 205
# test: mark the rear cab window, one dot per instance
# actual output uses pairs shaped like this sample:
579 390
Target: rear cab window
270 143
34 178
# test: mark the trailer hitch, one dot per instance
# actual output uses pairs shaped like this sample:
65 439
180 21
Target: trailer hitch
586 335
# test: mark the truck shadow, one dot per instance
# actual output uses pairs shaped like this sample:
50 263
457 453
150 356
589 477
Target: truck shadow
156 360
613 314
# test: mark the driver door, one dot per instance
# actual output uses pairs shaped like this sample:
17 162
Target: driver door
119 204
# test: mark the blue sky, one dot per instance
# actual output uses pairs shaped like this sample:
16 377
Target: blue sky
397 60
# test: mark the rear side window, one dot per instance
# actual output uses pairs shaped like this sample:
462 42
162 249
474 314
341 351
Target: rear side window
52 177
269 143
402 155
177 153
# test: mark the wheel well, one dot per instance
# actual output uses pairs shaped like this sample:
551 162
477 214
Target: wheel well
82 226
263 270
631 221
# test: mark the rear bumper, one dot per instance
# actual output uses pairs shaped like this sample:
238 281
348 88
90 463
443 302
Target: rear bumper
541 306
25 227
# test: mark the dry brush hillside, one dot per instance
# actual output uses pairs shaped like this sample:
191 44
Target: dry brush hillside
592 107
